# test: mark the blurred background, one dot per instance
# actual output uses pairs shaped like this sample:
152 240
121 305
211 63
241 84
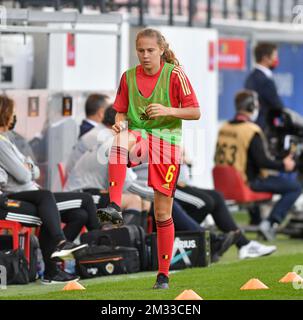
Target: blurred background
53 54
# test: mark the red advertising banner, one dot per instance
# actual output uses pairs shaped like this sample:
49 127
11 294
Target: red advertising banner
232 54
71 50
211 56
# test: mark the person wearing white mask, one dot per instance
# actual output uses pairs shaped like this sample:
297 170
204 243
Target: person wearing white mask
241 144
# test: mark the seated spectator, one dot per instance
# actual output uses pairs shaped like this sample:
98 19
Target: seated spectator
43 214
88 175
21 143
190 199
77 209
94 110
241 144
100 134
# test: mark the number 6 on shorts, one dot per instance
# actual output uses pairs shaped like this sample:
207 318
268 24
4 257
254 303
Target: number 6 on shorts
170 173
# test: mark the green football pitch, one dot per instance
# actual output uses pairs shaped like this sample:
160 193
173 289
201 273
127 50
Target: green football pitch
220 281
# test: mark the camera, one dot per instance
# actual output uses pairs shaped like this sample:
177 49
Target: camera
285 135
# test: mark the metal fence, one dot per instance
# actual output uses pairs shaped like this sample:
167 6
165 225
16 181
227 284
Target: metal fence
194 11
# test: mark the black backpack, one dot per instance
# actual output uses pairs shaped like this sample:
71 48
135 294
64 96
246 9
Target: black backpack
136 218
95 261
6 244
130 236
16 266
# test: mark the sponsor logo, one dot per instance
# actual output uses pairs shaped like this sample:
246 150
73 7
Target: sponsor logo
13 203
185 244
144 117
92 271
166 186
110 268
180 246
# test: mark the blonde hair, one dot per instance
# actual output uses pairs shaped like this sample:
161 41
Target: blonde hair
168 54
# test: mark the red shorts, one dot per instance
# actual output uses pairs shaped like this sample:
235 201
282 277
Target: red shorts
163 161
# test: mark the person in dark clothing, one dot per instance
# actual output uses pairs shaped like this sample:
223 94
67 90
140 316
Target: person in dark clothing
18 175
216 207
261 81
219 243
42 212
94 110
241 143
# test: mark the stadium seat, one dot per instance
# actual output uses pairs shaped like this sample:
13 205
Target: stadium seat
20 234
230 182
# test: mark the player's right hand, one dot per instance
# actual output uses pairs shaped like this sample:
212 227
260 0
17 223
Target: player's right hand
120 123
119 126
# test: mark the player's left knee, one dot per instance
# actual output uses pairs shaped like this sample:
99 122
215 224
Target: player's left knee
162 216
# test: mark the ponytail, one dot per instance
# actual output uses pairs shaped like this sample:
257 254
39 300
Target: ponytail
168 55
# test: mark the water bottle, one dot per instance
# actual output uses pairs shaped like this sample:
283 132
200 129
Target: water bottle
70 266
40 264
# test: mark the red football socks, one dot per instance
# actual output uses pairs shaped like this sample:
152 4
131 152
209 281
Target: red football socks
117 172
165 243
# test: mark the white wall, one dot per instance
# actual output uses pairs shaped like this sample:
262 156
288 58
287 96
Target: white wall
95 62
191 46
17 51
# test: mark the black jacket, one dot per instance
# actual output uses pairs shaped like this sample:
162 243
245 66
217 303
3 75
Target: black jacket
268 94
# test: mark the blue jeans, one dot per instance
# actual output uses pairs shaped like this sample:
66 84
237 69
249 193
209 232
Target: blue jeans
182 221
289 190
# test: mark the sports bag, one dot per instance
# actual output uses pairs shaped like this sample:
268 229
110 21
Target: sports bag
103 260
131 236
6 244
16 266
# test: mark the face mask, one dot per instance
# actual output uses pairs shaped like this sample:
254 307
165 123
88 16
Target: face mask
13 124
274 64
254 115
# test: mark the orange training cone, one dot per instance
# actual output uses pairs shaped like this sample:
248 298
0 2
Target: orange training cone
73 285
254 284
291 277
188 295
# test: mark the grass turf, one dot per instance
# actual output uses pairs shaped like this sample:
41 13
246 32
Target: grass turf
221 281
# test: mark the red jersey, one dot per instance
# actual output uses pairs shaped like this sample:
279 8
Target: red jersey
181 92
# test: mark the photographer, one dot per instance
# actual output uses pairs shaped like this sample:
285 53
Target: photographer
241 143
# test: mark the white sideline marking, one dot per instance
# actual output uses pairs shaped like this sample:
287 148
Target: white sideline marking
123 277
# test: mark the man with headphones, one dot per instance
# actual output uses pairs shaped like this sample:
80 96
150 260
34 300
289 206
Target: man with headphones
241 143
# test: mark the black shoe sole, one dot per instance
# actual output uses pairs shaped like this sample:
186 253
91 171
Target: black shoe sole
107 217
68 254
